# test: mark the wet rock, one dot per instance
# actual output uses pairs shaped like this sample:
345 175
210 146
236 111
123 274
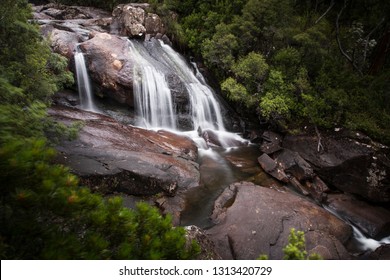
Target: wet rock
207 248
64 42
270 166
66 98
254 220
292 163
382 253
111 157
347 164
373 221
110 66
255 136
221 139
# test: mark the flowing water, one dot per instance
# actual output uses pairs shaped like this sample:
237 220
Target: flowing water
83 82
360 243
153 66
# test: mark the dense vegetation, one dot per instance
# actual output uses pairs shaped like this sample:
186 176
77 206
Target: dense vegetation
44 213
322 62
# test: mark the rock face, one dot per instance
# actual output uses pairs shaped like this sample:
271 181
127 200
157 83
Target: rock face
289 167
111 157
373 221
131 20
110 66
253 220
347 164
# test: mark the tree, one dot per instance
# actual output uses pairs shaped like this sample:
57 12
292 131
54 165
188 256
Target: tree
44 213
219 52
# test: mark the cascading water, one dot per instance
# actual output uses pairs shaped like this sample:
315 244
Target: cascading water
153 97
360 242
83 82
205 110
153 65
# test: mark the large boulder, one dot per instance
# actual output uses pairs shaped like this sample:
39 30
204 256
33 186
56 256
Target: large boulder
111 157
128 20
253 220
347 164
110 66
132 21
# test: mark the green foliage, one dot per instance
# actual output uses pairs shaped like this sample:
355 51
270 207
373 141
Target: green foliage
219 51
251 70
277 101
44 213
43 209
236 92
321 81
296 248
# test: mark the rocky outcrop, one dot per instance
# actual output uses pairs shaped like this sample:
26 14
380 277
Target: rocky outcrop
110 67
131 20
253 220
62 12
347 164
289 167
111 157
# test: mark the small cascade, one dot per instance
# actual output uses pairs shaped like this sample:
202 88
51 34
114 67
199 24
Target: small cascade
154 64
360 242
83 82
153 97
205 109
364 243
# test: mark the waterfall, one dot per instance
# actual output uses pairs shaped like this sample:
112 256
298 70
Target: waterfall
205 109
156 63
153 98
83 82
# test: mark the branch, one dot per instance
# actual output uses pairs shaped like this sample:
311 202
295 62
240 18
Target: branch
339 42
327 11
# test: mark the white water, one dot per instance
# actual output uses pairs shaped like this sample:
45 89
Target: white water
153 97
362 242
206 111
368 244
83 82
